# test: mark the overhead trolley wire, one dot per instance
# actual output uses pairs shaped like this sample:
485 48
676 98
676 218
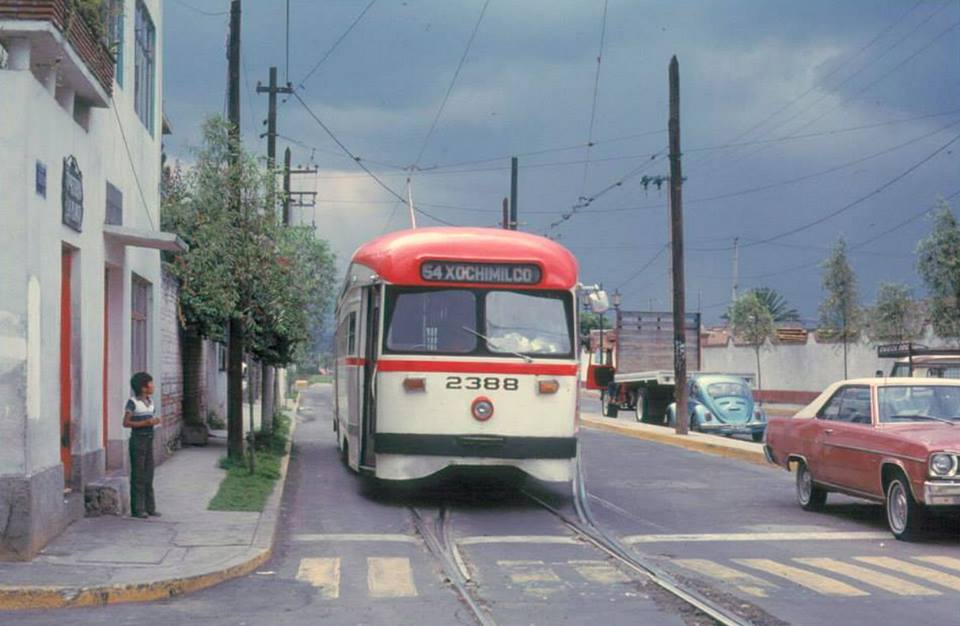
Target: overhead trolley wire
596 96
644 267
360 164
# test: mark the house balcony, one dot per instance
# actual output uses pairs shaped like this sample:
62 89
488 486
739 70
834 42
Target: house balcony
53 40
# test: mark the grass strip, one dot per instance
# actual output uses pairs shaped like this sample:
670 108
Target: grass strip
242 491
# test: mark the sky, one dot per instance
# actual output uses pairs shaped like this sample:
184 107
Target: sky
801 123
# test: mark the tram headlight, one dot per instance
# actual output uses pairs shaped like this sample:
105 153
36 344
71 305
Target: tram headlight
482 409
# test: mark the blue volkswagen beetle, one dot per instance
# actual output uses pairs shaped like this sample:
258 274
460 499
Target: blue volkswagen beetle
722 404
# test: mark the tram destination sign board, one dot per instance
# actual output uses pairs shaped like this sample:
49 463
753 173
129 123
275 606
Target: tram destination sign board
493 273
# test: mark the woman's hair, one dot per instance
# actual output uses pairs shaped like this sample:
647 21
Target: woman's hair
139 380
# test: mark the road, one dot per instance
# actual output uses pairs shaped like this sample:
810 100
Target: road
349 552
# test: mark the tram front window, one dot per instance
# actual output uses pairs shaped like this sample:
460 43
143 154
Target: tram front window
527 323
433 321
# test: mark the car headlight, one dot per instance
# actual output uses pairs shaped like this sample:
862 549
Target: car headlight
942 464
759 415
707 415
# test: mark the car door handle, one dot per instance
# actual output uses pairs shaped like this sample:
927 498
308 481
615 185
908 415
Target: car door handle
827 431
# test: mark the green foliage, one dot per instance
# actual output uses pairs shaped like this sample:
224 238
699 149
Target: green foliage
751 320
242 491
895 316
93 13
938 263
589 321
841 317
778 306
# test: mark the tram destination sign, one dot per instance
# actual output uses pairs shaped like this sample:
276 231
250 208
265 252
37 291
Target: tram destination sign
494 273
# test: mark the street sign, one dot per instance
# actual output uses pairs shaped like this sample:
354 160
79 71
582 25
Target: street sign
72 194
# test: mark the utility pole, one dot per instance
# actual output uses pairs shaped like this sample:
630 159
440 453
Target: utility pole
736 267
676 246
267 395
506 213
235 332
513 193
286 186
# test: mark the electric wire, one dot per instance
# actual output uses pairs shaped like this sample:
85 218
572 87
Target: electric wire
596 95
133 169
201 11
644 267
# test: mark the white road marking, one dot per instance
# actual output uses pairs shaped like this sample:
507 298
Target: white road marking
324 574
775 536
748 583
931 575
870 577
390 577
485 539
372 537
524 572
943 561
815 582
600 572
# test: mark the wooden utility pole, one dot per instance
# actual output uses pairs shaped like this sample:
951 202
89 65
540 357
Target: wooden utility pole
736 269
272 90
676 245
506 213
235 332
513 193
286 186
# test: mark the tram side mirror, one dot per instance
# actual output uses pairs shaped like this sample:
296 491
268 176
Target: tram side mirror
599 301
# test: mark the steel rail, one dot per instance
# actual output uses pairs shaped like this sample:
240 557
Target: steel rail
436 540
587 527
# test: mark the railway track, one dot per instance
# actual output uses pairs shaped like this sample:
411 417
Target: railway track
438 538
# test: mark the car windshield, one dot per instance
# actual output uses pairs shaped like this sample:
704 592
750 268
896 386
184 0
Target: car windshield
919 403
728 389
528 323
433 321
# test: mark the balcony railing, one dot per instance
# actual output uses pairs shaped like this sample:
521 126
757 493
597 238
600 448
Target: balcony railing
67 18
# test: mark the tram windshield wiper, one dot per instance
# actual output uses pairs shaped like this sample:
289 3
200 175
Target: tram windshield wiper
526 358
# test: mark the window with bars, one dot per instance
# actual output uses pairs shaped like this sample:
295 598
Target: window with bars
113 18
139 324
145 40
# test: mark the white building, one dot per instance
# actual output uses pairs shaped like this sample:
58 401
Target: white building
80 275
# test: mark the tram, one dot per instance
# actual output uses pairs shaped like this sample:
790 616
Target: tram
457 347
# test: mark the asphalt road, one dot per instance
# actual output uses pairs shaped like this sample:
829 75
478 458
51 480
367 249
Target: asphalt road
349 554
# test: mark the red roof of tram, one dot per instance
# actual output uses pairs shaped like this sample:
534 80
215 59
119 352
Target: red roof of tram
396 257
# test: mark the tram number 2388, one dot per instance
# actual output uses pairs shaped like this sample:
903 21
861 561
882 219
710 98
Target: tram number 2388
490 383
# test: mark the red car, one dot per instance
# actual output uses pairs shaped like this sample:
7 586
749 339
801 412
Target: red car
891 440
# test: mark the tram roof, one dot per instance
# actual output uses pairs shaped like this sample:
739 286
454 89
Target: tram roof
397 257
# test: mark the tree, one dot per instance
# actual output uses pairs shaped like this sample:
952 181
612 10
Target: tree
938 263
841 318
778 306
752 322
896 316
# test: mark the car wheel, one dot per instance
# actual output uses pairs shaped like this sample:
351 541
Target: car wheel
904 515
809 495
638 409
757 436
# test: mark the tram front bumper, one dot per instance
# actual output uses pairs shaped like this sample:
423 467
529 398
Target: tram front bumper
476 446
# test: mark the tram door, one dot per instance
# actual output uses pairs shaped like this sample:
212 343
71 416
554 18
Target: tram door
372 336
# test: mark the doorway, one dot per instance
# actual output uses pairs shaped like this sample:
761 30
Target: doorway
66 360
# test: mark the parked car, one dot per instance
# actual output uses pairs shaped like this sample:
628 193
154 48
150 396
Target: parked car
722 404
890 440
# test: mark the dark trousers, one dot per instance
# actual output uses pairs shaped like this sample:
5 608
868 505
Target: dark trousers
141 475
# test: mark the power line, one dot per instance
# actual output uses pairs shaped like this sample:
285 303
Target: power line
133 169
847 206
453 82
359 163
644 267
596 94
201 11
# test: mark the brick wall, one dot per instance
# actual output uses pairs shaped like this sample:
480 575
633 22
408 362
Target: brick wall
171 375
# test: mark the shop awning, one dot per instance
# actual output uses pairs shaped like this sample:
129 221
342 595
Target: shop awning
158 240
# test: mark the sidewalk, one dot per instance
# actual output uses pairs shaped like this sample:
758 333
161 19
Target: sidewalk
699 442
104 560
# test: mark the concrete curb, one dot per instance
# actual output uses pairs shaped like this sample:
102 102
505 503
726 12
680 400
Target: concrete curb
260 550
698 442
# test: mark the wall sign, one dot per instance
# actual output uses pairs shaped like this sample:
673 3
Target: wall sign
41 180
72 194
495 273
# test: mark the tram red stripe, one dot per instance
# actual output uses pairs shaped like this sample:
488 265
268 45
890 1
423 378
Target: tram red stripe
352 360
474 367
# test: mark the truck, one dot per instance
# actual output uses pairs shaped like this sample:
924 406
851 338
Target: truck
641 377
918 361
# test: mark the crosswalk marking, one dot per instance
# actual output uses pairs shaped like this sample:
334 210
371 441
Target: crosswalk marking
599 572
324 574
943 561
390 577
870 577
488 539
771 536
525 572
748 583
810 580
338 537
934 576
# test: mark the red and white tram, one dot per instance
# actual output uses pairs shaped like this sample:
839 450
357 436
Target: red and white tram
457 347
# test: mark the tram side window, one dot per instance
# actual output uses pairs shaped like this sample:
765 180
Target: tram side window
352 334
433 321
